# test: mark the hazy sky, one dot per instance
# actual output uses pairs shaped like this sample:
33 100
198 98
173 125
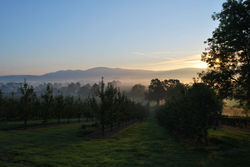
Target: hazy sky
39 36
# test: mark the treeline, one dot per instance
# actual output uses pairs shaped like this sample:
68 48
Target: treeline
235 121
189 110
75 89
66 89
107 106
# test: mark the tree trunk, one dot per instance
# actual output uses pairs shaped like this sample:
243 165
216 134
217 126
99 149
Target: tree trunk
25 123
103 129
158 102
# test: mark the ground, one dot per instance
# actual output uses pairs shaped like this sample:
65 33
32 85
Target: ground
145 144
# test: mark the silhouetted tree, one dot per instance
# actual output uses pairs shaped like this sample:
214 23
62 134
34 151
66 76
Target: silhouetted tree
109 102
102 112
26 103
228 54
173 89
69 101
95 108
84 91
94 90
155 91
48 103
2 104
191 115
138 91
59 107
79 106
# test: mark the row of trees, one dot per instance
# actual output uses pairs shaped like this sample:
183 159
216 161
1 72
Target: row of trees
113 108
32 107
108 107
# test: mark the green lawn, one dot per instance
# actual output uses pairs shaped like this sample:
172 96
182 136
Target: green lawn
146 144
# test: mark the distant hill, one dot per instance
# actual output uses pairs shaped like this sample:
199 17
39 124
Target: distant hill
95 74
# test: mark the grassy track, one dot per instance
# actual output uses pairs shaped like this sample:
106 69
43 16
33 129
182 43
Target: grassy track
145 144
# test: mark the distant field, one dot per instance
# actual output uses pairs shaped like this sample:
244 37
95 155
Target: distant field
146 144
233 111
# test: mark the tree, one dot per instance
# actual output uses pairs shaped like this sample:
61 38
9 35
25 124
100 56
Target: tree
69 101
155 91
173 89
27 100
94 91
48 103
205 109
88 108
227 54
191 115
59 106
138 91
84 91
109 102
2 113
79 107
102 112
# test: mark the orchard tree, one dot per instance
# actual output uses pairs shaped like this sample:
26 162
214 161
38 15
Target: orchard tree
110 98
26 102
2 114
48 103
59 107
173 89
155 91
138 91
227 54
102 111
69 101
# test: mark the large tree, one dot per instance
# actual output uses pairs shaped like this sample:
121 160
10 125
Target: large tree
227 54
156 91
173 89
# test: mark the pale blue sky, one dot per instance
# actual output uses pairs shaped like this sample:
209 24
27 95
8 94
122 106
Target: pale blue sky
39 36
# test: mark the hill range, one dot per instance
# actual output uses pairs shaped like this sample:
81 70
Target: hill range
94 75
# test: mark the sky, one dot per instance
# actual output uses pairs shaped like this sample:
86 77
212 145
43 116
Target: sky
40 36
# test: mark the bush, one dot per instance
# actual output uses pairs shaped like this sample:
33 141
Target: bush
191 114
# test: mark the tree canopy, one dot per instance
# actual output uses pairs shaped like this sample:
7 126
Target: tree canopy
227 54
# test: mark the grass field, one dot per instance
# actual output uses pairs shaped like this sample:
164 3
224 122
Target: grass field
34 123
146 144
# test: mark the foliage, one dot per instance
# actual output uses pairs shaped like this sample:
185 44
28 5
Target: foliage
137 91
27 102
228 54
173 89
191 114
47 103
164 90
155 91
58 107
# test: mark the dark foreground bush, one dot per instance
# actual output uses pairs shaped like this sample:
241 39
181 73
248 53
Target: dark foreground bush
191 114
